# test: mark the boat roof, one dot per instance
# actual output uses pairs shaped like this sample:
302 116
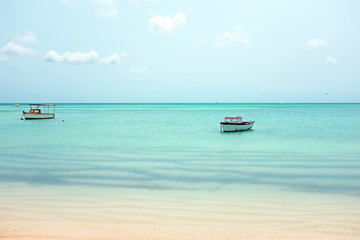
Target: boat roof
233 117
38 104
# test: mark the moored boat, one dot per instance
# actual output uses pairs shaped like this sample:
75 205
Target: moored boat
235 124
36 112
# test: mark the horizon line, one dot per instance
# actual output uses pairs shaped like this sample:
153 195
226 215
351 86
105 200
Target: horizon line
182 103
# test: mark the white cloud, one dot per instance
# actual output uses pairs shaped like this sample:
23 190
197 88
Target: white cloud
16 49
72 57
315 43
115 58
28 38
330 61
166 24
143 70
82 58
106 8
237 35
53 56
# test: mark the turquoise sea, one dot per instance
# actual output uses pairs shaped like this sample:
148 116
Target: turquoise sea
179 147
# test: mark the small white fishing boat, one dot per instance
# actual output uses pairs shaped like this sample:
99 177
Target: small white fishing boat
36 113
235 124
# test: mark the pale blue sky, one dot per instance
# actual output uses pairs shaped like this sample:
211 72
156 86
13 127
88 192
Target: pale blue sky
179 51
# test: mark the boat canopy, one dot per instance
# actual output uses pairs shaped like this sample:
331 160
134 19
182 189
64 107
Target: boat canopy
233 119
46 107
37 104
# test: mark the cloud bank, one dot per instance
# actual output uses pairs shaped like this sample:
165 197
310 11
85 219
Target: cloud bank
82 58
71 57
16 49
166 24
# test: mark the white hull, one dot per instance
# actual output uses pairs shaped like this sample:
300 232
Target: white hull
39 116
236 127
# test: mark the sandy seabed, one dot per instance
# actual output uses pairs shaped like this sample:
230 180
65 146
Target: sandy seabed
32 212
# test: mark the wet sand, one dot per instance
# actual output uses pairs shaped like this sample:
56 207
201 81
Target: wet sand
33 212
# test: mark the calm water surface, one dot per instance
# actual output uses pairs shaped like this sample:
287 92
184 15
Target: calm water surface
292 147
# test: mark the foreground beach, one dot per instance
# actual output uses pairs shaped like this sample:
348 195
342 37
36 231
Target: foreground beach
46 213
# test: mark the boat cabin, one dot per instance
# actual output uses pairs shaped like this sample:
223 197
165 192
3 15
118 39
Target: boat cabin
233 119
35 111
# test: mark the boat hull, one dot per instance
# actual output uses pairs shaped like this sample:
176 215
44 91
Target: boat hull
31 116
235 127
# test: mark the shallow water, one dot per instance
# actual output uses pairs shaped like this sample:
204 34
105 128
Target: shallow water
291 148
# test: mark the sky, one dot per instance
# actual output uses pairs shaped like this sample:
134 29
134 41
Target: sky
157 51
